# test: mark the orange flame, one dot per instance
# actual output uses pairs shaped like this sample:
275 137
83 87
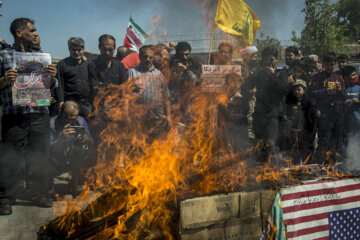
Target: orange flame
143 178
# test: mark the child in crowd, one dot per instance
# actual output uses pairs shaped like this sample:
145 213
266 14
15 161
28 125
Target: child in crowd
326 92
298 121
310 69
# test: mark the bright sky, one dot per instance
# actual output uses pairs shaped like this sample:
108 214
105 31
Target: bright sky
58 20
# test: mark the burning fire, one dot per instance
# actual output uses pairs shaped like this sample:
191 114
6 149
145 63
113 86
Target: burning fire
143 180
157 32
139 181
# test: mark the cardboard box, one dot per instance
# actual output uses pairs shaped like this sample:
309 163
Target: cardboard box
204 211
226 216
256 204
230 230
267 200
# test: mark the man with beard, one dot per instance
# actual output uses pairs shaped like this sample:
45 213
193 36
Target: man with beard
231 117
151 90
162 57
249 55
25 130
188 69
105 69
224 55
74 79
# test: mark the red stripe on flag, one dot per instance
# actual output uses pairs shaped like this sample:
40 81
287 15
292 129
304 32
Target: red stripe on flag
127 42
132 35
310 218
320 204
324 181
312 193
317 182
307 231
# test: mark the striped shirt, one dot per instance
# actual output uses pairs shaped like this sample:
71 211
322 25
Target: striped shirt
150 85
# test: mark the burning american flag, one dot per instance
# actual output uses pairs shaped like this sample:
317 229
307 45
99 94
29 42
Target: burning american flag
322 209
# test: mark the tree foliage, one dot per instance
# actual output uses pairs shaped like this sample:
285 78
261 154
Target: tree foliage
329 26
348 13
262 42
322 32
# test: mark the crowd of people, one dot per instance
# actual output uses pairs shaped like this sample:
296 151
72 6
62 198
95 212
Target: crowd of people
304 109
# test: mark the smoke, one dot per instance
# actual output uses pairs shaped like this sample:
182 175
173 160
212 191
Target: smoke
92 18
278 17
353 152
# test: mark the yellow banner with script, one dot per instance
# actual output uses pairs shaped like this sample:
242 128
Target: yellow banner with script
236 18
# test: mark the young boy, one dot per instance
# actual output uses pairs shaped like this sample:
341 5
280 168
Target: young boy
352 102
326 92
310 69
298 121
342 61
297 70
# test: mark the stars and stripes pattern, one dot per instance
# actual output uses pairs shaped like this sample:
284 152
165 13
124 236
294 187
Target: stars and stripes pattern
344 224
313 210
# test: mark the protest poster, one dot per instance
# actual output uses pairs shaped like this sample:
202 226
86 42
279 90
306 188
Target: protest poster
32 85
214 76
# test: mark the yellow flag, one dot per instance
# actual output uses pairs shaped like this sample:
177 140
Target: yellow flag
236 18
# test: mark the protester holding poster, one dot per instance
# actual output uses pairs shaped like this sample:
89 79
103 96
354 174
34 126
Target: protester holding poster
25 128
226 78
32 85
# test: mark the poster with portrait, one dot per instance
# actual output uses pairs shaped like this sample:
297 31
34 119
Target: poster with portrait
32 85
214 76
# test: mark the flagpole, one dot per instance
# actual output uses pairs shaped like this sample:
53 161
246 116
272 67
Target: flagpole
211 42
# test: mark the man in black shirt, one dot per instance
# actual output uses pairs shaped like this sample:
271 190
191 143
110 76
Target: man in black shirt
269 93
105 69
73 77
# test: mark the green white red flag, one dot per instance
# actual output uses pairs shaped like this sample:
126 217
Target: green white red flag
135 36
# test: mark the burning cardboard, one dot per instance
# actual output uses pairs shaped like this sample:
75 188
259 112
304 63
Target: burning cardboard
226 216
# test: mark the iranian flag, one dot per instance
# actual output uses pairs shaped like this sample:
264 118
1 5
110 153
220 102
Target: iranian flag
135 36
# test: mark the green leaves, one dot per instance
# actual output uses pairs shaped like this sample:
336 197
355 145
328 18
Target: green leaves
328 27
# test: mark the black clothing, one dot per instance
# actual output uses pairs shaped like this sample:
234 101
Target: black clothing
304 115
323 101
25 135
284 74
75 84
270 90
26 142
331 106
234 128
297 127
104 76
